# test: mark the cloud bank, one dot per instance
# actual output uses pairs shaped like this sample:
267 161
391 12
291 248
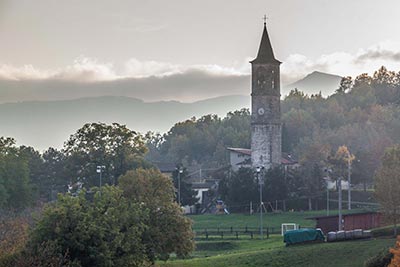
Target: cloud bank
155 80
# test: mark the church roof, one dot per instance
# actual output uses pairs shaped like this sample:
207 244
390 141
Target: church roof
265 52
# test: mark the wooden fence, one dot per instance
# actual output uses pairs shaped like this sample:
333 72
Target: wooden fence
234 233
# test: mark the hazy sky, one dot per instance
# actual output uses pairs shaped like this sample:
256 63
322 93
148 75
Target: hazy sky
97 40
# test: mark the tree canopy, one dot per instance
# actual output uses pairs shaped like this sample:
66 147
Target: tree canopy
387 184
169 230
114 146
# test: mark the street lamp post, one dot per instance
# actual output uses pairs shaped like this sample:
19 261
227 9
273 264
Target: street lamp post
328 171
100 170
349 181
340 202
179 184
261 183
327 199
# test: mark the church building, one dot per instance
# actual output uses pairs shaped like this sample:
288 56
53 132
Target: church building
266 127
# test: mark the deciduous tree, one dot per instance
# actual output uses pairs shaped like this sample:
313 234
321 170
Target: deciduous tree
106 231
97 144
169 231
387 185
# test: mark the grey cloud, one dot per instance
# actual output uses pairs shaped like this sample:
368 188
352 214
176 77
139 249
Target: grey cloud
377 54
189 86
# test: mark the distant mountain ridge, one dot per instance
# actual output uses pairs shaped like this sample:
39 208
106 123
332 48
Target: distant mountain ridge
192 87
42 124
316 82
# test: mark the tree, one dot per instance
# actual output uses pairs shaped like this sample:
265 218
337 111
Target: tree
299 123
169 231
36 168
387 185
276 188
239 188
313 153
15 187
346 84
362 79
313 182
384 83
114 146
106 231
203 141
187 194
55 176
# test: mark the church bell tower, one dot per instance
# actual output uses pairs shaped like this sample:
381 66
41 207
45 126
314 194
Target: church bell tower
266 129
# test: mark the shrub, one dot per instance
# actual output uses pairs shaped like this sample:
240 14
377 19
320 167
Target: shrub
395 262
43 256
382 259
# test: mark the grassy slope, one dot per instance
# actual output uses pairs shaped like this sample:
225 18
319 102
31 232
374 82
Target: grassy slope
273 253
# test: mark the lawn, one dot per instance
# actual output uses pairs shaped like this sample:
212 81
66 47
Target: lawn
272 252
274 220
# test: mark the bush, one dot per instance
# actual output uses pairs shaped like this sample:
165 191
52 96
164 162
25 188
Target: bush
106 231
382 259
44 256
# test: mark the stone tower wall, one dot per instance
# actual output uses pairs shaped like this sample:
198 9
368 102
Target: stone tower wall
266 130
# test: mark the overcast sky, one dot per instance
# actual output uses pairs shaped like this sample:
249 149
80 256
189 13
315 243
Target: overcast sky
98 40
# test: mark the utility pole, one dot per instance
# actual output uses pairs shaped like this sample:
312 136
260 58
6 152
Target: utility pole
328 171
349 180
327 199
340 203
100 170
179 184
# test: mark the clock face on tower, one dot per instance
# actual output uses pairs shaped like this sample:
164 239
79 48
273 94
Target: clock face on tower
261 111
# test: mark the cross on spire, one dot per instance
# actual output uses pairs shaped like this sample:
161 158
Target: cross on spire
265 19
265 52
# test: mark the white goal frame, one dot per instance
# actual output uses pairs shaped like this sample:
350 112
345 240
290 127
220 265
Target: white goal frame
288 227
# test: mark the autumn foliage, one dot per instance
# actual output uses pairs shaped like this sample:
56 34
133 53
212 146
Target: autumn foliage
13 234
396 254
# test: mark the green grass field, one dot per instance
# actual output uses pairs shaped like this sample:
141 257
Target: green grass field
272 252
212 221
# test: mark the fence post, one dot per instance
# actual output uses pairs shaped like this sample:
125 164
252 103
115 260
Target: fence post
246 229
206 235
222 235
251 234
237 235
267 232
231 229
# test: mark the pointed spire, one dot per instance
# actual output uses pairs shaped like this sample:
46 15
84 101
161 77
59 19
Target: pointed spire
265 52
